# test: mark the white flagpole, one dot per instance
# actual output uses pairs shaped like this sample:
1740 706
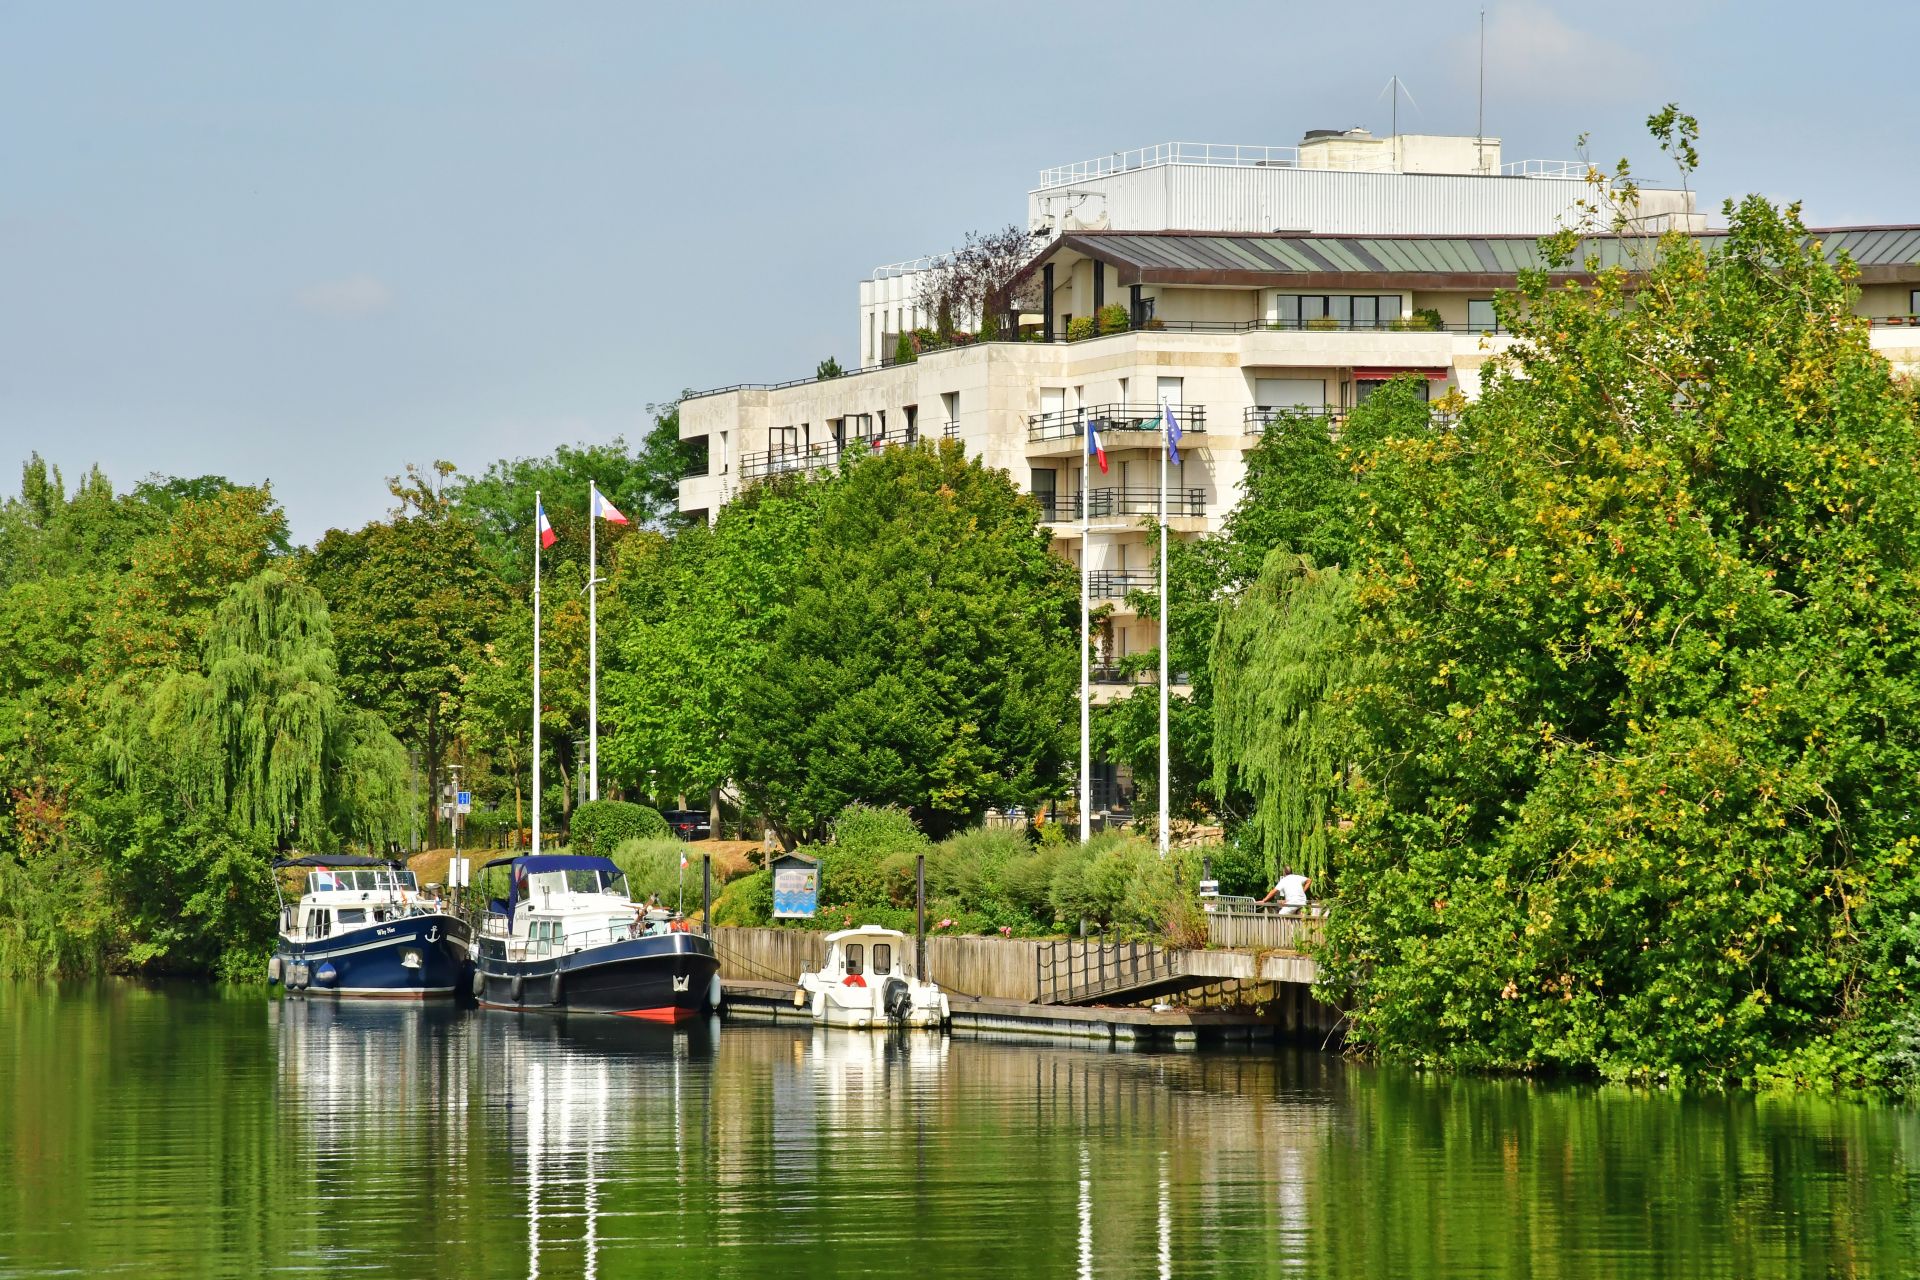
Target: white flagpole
1166 447
1086 675
536 670
593 641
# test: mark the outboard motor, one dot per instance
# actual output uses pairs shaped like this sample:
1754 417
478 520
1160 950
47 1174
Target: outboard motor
896 1000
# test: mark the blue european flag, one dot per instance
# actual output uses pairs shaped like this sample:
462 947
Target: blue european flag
1173 437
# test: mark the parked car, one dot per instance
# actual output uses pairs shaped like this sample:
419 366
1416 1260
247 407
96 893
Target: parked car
689 824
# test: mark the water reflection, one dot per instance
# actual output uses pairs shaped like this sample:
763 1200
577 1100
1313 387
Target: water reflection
181 1133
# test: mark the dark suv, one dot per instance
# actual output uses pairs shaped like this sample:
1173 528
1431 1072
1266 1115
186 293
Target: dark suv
689 824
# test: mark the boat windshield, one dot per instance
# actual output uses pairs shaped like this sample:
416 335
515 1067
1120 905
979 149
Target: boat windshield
344 879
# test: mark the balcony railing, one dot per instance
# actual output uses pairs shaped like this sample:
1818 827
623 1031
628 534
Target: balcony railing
780 462
1064 424
1115 584
1259 417
1144 500
1128 675
952 431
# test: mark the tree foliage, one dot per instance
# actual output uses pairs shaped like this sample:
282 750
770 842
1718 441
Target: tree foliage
1635 753
927 658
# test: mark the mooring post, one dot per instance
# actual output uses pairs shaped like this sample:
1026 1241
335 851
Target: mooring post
920 917
706 894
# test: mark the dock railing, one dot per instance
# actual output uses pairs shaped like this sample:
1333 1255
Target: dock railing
1244 925
1078 969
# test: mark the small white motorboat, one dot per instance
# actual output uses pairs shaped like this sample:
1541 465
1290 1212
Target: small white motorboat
864 983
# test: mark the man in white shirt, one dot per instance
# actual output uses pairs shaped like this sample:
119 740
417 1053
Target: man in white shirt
1292 892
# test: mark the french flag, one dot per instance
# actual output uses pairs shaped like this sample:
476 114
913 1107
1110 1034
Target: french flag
1095 449
547 536
606 510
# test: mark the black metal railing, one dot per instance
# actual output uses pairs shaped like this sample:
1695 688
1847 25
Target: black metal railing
1114 584
1259 417
1144 500
1135 675
952 431
1055 507
1064 424
1077 971
779 462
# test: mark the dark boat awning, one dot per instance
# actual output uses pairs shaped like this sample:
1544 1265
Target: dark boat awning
334 860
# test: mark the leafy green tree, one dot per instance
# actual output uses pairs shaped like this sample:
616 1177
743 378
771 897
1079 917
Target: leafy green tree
1635 758
828 368
927 659
413 601
698 616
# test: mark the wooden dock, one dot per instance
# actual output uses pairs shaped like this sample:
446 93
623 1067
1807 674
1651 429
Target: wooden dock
1125 1027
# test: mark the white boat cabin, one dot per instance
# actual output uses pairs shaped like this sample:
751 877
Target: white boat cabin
341 899
867 981
563 903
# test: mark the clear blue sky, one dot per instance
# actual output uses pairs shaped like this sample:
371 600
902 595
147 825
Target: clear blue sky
312 243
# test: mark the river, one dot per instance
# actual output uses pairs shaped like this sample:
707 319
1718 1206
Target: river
185 1131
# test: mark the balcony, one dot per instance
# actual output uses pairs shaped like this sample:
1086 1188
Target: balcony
1117 584
1259 417
1129 676
1065 424
952 431
1134 500
782 462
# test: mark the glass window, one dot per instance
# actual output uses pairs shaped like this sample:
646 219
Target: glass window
883 957
1286 308
407 880
1366 312
353 915
1341 309
1389 307
617 884
1480 317
1913 303
856 957
1312 307
583 881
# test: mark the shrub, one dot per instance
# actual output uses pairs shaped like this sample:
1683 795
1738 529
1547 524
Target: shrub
1323 323
852 867
1239 866
1113 318
1080 327
486 827
653 867
1424 320
989 327
903 352
746 901
970 867
828 368
601 826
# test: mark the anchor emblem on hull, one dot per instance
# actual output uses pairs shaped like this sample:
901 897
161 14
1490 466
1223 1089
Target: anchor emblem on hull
680 983
433 933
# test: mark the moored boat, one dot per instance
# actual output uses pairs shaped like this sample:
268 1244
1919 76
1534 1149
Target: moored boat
864 983
363 928
566 937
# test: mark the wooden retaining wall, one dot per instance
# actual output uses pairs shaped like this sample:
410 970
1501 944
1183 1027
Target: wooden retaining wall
1263 931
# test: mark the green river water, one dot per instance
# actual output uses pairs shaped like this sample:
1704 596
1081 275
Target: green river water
182 1131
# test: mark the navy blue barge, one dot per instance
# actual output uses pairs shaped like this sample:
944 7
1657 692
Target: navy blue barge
564 936
363 928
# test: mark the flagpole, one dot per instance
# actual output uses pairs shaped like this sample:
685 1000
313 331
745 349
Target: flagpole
1086 639
593 641
1166 448
537 510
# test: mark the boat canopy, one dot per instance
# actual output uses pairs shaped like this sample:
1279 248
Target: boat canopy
531 862
335 860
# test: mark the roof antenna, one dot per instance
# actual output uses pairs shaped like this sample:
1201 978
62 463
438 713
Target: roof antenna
1480 109
1395 88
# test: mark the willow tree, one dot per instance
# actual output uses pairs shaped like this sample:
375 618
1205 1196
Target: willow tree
261 733
1283 652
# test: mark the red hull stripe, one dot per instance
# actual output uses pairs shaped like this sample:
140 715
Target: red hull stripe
670 1013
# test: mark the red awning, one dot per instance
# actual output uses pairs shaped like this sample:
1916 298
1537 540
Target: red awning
1382 375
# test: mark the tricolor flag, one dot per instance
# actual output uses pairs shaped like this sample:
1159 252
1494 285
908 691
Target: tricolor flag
1095 449
1173 437
606 510
547 536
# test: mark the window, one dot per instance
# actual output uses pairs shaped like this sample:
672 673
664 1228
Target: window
856 957
1341 309
882 957
1366 312
785 439
1913 303
912 413
1358 310
1480 317
950 405
1168 390
1363 391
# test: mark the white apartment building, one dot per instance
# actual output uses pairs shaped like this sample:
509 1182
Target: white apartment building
1228 327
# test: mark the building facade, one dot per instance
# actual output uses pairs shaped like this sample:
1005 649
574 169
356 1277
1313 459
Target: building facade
1229 329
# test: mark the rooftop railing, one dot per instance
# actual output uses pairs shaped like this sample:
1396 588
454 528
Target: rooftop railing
1226 154
1062 424
780 462
1135 676
1545 169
